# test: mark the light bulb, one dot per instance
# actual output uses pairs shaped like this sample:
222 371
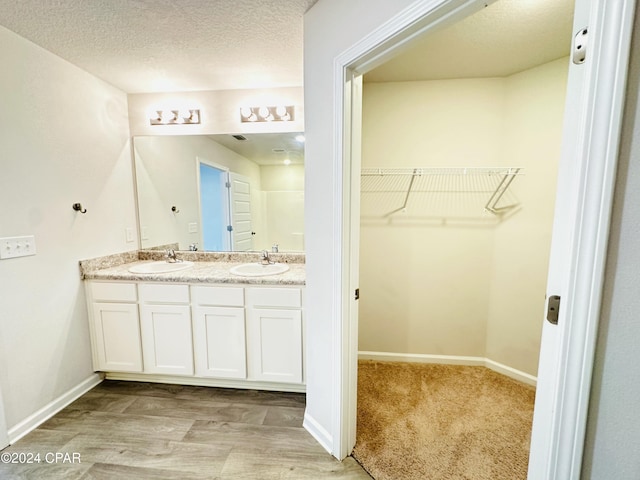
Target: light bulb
168 116
287 161
264 112
246 112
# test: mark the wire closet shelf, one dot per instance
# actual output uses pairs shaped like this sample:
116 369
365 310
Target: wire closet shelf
474 193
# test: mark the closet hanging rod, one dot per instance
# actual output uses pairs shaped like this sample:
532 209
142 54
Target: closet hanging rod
509 171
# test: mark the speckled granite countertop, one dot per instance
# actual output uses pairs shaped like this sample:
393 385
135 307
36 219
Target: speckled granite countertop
207 268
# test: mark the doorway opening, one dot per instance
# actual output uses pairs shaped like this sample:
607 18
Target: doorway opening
225 208
214 207
590 136
457 196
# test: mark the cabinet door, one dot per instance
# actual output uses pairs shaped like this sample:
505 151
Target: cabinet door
219 342
274 345
166 339
117 337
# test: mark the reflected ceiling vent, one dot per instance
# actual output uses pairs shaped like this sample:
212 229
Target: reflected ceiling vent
239 137
278 150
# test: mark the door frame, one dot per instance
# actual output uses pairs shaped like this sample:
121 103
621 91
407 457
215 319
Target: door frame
227 206
559 446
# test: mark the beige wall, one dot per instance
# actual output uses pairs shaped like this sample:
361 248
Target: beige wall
65 139
534 108
450 289
424 286
283 206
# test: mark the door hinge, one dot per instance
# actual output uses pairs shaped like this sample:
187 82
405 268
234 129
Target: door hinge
227 184
357 294
580 47
553 309
229 228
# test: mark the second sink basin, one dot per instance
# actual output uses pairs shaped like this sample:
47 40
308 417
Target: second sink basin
160 266
258 269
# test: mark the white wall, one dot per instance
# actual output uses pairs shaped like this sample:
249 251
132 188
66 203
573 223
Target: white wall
613 426
65 139
330 27
166 175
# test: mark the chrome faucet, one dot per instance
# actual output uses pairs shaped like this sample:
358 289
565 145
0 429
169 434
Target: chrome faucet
193 247
265 258
171 256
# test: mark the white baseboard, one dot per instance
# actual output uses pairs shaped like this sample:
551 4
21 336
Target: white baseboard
45 413
316 430
450 360
206 382
511 372
421 358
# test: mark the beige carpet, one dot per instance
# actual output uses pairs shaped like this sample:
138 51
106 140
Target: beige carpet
436 422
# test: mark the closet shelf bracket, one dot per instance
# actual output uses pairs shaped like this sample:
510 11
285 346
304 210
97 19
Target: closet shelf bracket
503 186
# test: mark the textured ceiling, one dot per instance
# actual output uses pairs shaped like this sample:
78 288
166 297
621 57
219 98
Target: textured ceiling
144 46
170 45
507 37
265 148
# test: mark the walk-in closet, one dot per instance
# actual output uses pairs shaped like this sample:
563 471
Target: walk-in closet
457 194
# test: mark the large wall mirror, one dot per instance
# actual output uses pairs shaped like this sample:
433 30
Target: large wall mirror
221 192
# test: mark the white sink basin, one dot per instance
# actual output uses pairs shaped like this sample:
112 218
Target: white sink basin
258 270
160 266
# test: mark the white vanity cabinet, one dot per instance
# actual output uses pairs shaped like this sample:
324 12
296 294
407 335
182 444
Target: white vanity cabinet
165 323
219 332
228 335
275 334
115 328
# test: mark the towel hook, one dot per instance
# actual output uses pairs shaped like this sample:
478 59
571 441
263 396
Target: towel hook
78 208
174 209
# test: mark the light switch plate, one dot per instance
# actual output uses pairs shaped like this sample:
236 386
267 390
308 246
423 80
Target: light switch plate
13 247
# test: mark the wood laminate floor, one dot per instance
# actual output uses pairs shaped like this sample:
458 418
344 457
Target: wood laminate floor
131 430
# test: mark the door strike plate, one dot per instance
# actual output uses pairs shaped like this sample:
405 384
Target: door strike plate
553 308
357 294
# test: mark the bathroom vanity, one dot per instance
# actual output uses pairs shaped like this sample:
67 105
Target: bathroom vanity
201 325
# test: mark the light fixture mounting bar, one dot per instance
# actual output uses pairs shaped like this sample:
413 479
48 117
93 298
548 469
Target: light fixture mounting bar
279 113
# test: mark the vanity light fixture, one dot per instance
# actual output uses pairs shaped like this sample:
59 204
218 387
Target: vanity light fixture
280 113
174 117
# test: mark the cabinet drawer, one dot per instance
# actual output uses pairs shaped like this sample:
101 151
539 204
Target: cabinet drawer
274 297
113 292
159 293
218 296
